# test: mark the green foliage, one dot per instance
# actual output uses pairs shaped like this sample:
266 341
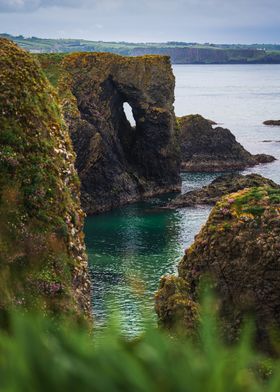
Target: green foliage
51 65
36 355
39 191
274 196
255 200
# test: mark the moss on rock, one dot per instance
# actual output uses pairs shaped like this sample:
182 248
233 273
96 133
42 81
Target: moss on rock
221 186
42 255
239 249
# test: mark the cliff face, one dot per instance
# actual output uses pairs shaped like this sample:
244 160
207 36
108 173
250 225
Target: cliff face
42 256
239 249
208 149
118 163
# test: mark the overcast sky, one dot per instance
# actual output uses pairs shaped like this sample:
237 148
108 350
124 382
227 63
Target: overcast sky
220 21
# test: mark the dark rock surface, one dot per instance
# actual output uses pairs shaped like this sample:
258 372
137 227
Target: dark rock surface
208 149
272 122
239 250
221 186
43 264
118 163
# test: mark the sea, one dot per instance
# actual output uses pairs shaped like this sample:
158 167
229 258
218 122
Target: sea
132 247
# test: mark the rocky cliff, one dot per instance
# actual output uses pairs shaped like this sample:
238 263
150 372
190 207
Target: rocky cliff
42 256
119 163
208 149
239 250
221 186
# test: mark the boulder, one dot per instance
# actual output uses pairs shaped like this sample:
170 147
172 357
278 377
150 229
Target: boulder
221 186
208 149
272 122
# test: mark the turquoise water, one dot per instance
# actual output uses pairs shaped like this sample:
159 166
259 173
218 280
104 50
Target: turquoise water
131 247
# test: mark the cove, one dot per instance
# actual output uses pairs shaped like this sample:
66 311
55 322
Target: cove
131 247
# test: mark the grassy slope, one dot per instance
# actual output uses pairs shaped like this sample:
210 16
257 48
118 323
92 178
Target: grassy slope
270 53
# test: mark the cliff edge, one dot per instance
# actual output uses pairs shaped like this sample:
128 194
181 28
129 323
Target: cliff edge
43 264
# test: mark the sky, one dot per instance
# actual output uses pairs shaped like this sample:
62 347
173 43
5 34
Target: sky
217 21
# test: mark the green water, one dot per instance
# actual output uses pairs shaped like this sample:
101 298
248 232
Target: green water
131 247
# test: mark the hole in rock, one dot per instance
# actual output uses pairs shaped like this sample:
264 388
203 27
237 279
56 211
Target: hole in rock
129 114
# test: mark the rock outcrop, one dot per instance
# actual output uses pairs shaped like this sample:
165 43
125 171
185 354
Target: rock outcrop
118 163
208 149
239 250
43 264
272 122
221 186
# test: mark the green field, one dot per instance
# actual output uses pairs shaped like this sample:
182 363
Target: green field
180 52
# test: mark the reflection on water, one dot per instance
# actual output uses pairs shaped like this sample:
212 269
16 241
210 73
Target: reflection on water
135 245
138 243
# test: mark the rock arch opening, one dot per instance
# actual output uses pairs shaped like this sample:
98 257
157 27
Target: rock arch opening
129 114
124 138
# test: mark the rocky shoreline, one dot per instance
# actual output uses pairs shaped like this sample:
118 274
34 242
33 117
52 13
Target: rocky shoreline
43 260
208 149
221 186
118 163
238 250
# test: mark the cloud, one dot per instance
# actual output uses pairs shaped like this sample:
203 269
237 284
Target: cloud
12 6
33 5
144 20
18 5
211 7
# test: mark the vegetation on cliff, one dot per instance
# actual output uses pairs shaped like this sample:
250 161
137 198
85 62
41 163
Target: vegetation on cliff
42 257
238 249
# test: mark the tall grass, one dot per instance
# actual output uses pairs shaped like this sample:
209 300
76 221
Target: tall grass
37 355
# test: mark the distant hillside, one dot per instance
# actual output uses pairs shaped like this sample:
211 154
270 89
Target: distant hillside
180 52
